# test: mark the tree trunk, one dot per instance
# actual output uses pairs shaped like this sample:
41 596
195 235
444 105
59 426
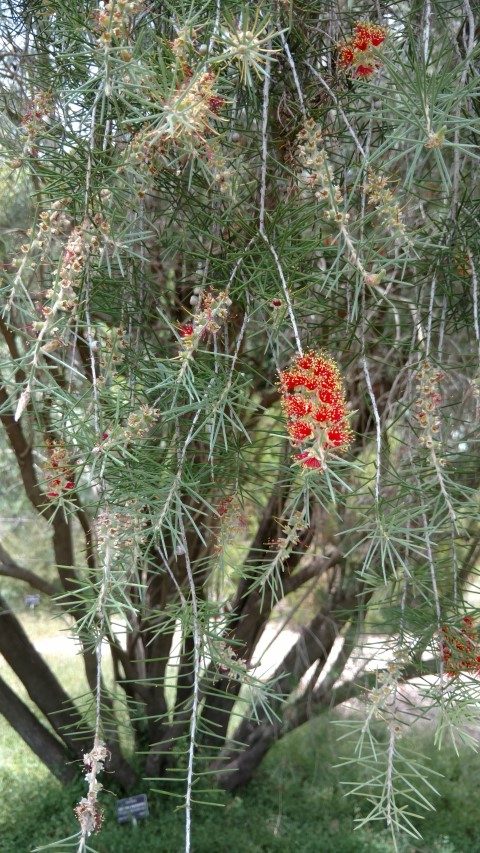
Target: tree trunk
45 746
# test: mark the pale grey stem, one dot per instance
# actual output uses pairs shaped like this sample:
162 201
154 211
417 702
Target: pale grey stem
430 316
215 29
427 17
436 596
340 109
196 686
263 173
378 427
293 68
475 296
263 189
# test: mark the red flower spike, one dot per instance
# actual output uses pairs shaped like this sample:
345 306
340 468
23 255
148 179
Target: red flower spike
69 484
314 377
216 103
356 55
338 436
305 362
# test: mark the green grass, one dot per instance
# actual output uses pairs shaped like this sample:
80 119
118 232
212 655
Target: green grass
295 802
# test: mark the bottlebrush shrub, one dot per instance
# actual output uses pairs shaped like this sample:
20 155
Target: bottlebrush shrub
196 197
314 402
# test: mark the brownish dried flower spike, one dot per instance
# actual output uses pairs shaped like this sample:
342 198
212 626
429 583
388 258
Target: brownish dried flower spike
89 815
428 402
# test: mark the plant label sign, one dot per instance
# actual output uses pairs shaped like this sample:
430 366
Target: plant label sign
131 809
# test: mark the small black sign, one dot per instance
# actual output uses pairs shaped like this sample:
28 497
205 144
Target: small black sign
132 808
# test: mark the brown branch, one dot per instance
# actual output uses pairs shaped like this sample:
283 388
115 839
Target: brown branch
13 350
24 454
317 567
45 746
38 679
9 568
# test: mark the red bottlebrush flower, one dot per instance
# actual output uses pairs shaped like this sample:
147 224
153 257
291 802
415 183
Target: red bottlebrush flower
69 484
346 54
224 506
104 436
186 330
299 430
368 35
337 413
363 71
322 414
276 303
356 55
291 379
361 37
296 407
339 436
52 494
377 35
325 395
308 461
327 371
305 362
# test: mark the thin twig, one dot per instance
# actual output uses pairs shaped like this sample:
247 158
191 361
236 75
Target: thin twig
263 189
